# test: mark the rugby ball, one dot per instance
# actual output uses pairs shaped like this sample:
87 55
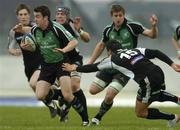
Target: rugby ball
30 39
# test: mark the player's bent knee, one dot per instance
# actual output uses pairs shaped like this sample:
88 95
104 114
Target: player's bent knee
109 99
40 97
97 86
68 97
91 91
94 89
75 87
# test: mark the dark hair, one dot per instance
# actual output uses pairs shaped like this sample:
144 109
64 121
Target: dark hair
113 45
65 10
117 8
21 7
44 10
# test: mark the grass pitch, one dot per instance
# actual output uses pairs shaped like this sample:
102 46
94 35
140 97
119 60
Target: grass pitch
38 118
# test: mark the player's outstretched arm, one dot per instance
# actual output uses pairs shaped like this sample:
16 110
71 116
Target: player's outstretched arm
153 32
69 67
97 52
85 68
151 54
71 45
83 34
12 49
21 29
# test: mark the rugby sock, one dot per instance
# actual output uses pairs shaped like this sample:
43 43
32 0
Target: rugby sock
80 95
57 94
156 114
103 109
76 104
65 107
53 94
165 96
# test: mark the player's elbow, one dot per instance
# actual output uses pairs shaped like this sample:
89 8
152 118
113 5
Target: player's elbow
75 43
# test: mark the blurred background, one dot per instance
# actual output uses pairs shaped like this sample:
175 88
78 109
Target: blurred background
95 15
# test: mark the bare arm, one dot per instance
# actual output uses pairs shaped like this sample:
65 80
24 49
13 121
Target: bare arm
22 29
152 33
83 34
12 49
70 46
97 52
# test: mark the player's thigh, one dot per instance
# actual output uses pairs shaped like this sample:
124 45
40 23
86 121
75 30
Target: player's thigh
75 83
65 82
34 79
98 85
116 86
42 89
76 76
100 82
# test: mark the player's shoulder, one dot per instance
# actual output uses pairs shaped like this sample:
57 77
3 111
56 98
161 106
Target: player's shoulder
133 22
57 25
107 28
34 28
178 29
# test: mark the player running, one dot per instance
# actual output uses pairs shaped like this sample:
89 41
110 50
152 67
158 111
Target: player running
136 64
32 60
74 27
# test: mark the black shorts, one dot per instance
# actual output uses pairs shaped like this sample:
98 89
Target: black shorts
108 75
49 72
151 86
29 70
78 60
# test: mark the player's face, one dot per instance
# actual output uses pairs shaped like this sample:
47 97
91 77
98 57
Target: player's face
118 18
39 19
61 17
23 16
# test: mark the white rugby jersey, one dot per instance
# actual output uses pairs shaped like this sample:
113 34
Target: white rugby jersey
134 63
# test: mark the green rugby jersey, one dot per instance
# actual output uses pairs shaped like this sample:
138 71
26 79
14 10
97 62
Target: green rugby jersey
127 35
55 36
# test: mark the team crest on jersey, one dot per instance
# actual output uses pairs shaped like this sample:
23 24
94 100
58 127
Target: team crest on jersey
112 36
125 34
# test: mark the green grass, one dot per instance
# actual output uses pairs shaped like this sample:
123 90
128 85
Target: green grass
38 118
